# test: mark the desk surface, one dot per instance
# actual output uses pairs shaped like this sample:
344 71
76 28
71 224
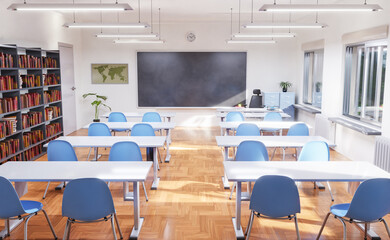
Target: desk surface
252 114
37 171
249 110
140 114
129 125
336 171
261 124
270 141
93 141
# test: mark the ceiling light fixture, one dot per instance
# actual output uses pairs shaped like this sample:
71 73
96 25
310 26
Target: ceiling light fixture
286 25
69 7
125 35
320 8
106 25
265 35
251 41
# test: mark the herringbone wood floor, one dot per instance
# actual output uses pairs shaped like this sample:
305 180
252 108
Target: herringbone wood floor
190 202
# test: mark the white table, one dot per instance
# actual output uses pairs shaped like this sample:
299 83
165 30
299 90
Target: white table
339 171
135 172
167 126
166 116
143 142
247 115
261 124
269 141
248 110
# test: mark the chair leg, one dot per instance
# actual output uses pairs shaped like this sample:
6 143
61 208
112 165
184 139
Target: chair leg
146 195
68 233
284 153
47 187
50 225
250 219
330 191
250 223
344 228
296 227
7 227
365 231
113 228
231 193
273 154
66 230
387 227
117 224
323 225
159 155
158 166
25 226
89 153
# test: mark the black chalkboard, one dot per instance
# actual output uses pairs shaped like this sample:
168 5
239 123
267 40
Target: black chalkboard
191 79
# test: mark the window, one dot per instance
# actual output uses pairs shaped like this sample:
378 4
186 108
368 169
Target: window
312 77
365 68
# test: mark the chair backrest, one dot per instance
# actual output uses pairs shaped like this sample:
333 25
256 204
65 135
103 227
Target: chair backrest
275 196
299 129
142 129
247 129
251 151
87 199
125 151
234 117
273 116
98 129
60 150
315 151
371 200
10 205
151 117
117 117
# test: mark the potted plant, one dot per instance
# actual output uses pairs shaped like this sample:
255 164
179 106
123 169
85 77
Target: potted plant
285 85
97 103
318 86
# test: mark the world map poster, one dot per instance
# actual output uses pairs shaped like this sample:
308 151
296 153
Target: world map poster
109 73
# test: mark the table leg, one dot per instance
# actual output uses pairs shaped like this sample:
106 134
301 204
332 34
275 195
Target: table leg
168 157
237 220
137 219
155 178
224 178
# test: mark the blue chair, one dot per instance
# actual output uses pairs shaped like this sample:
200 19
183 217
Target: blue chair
59 150
370 204
276 197
126 151
12 208
88 200
299 129
247 129
234 117
272 117
100 130
250 151
151 117
117 117
316 151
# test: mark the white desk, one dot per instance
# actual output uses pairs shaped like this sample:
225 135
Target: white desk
260 124
247 115
343 171
135 172
143 142
248 110
166 116
167 126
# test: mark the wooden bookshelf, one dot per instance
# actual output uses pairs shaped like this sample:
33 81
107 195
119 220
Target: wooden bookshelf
30 75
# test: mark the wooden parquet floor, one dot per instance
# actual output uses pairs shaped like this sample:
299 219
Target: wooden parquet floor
190 202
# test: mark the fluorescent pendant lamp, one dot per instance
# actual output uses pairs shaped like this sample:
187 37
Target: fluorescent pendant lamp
265 35
106 25
69 7
320 7
124 35
285 25
137 41
251 41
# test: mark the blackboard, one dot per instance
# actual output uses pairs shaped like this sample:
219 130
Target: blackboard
191 79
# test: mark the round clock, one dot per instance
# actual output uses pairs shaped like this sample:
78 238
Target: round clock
190 37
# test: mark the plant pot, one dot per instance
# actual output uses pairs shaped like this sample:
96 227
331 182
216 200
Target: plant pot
284 89
96 120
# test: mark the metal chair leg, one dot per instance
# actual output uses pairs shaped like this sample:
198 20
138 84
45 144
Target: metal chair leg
365 231
68 234
117 224
66 230
323 225
231 193
25 226
344 228
284 153
47 187
89 153
250 219
7 227
296 227
113 228
273 154
250 223
158 166
159 155
330 191
50 225
146 195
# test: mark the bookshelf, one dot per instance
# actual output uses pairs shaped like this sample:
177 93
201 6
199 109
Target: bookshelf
30 102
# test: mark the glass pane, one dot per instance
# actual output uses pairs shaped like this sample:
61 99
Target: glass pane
384 59
317 79
371 83
357 79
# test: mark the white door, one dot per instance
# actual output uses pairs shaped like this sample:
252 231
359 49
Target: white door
68 88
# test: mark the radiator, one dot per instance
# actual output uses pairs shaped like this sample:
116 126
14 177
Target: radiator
382 153
324 127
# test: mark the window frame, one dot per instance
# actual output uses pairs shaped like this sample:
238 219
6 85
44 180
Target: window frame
311 69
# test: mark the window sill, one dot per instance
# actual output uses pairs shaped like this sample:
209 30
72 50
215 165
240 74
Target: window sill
357 126
307 108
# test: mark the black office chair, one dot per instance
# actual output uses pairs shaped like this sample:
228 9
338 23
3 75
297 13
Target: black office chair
256 100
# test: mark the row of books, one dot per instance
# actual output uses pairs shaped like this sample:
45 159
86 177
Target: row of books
51 79
49 62
16 158
32 137
8 104
6 60
8 147
52 112
7 126
51 96
30 80
28 61
30 99
31 119
8 83
32 152
53 129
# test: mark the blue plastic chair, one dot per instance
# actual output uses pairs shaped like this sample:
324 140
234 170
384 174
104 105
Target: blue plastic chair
370 204
247 129
233 117
299 129
276 197
100 130
316 151
117 117
250 151
272 117
59 150
126 151
88 200
11 207
151 117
